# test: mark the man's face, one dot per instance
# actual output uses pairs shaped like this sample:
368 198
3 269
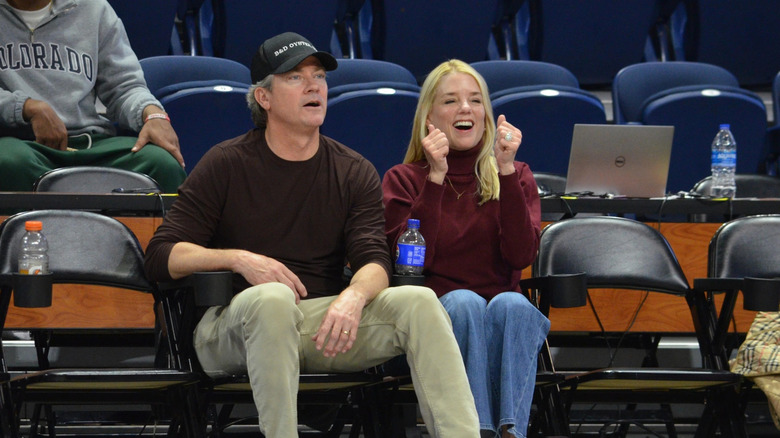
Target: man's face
298 97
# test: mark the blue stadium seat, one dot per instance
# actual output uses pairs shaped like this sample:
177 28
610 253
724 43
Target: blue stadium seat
503 75
543 100
241 26
205 98
695 98
546 116
593 39
634 84
377 123
422 34
150 24
353 74
205 116
168 74
740 36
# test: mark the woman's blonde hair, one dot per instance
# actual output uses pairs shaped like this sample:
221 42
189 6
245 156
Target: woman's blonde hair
485 168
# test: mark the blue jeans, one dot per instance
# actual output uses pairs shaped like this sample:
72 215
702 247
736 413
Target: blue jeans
500 342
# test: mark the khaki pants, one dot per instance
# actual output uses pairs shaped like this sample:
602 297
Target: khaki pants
264 333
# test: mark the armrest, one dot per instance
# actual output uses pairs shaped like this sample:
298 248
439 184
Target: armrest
208 288
759 294
715 284
559 290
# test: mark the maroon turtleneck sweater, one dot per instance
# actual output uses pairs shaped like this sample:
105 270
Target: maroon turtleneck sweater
468 246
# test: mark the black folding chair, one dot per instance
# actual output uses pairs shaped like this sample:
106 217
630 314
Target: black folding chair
87 248
342 397
743 256
622 254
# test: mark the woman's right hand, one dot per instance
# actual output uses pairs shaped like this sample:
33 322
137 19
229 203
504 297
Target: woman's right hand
436 147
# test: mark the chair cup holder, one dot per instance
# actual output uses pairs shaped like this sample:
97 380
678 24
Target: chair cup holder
407 280
32 290
212 288
569 290
761 294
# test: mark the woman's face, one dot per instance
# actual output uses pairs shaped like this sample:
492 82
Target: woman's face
458 111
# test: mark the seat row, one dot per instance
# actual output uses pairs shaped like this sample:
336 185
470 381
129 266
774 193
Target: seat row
578 257
372 103
594 40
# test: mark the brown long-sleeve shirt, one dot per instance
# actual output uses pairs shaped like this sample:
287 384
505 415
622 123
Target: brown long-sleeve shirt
312 215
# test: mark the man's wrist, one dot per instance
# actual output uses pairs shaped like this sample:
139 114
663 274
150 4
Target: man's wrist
157 116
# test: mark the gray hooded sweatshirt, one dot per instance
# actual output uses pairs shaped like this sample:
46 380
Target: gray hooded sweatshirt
80 52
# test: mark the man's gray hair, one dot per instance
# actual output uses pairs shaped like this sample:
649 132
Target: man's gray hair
259 116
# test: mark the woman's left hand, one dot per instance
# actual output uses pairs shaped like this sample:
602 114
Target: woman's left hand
508 139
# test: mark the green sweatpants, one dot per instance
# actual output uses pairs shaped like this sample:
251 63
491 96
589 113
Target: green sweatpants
22 161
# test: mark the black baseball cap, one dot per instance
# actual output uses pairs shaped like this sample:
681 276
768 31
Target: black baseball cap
283 52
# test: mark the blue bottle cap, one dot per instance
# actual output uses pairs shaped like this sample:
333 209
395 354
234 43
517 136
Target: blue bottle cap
413 223
725 126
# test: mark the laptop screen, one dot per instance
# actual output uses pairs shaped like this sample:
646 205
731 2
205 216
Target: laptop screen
619 160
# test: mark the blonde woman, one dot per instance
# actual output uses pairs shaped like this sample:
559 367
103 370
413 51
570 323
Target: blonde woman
479 212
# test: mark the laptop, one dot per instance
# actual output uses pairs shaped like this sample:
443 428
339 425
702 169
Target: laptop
619 160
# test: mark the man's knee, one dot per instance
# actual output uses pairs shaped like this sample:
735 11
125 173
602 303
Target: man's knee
415 302
264 300
408 295
15 153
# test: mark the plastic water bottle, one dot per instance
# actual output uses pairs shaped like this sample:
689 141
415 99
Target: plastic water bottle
410 251
34 253
724 164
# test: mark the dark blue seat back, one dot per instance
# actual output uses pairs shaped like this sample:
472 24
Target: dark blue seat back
422 34
168 74
501 75
546 116
149 24
696 116
241 26
695 98
635 83
205 116
741 36
593 39
353 74
378 126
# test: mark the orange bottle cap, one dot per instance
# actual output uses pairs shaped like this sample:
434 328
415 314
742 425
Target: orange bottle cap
33 225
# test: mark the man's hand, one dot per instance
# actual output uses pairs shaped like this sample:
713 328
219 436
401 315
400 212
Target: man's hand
48 128
159 132
339 327
259 269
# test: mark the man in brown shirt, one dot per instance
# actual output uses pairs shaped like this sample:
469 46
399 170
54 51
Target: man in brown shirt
284 207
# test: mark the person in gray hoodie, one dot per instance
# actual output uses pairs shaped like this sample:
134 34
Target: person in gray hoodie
61 62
